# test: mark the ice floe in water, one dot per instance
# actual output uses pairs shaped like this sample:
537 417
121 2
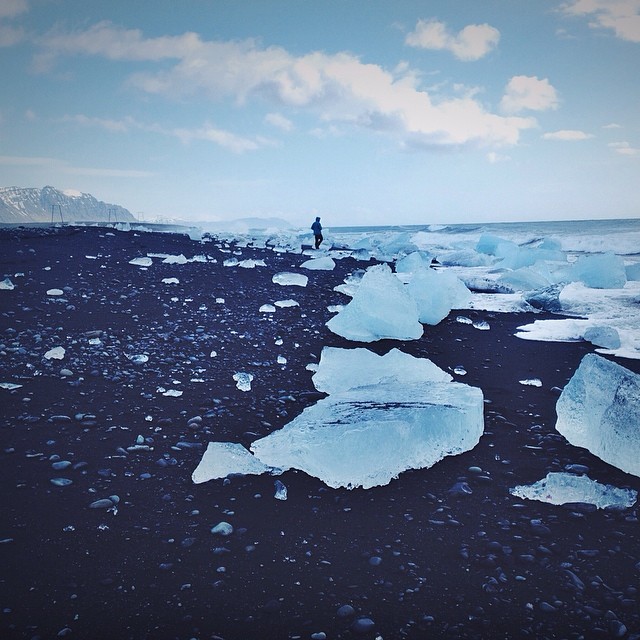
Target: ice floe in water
599 409
385 415
381 308
564 488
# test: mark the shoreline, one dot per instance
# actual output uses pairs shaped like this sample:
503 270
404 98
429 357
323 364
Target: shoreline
446 565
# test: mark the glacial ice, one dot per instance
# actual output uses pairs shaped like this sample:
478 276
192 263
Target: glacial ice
222 459
347 369
367 436
290 279
563 488
380 308
602 336
243 380
319 264
599 409
600 271
141 262
413 262
57 353
436 293
7 285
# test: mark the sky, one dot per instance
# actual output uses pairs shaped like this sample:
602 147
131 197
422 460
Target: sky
364 112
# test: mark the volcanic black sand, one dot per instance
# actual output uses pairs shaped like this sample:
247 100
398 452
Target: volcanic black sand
408 560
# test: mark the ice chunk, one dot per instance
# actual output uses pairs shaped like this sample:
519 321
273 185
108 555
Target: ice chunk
632 271
57 353
436 293
226 458
381 308
319 264
600 271
413 262
346 369
243 380
283 304
170 281
267 308
606 337
7 285
599 409
563 488
141 262
9 386
368 436
280 490
179 259
525 279
285 278
55 292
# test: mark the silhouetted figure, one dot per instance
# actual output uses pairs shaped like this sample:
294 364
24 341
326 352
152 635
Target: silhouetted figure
317 232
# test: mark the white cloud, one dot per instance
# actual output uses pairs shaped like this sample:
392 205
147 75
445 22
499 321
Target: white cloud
279 121
528 92
471 43
13 8
624 148
612 125
337 88
567 135
64 167
494 157
621 16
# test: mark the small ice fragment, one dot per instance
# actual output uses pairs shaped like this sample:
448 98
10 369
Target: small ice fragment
55 292
230 262
286 303
219 300
243 380
213 354
170 281
141 262
222 459
180 259
267 308
139 358
319 264
460 371
563 488
57 353
531 382
282 360
9 386
172 393
464 320
95 341
7 285
281 490
287 278
482 325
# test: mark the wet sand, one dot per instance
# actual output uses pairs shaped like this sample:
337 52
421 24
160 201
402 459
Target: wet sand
408 560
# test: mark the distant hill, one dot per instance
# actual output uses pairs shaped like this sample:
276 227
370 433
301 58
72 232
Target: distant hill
18 205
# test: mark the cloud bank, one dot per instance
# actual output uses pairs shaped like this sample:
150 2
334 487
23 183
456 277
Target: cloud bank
337 88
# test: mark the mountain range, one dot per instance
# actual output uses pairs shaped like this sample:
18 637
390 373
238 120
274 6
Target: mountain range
24 205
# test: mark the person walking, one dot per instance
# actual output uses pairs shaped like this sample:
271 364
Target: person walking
316 227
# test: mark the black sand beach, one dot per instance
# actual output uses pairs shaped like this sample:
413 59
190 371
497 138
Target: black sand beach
408 560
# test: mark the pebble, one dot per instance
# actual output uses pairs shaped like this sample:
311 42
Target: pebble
222 529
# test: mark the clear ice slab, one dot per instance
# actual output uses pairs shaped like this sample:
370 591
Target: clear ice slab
565 488
366 437
599 409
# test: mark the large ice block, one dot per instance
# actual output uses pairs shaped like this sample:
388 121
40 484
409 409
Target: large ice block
347 369
599 409
366 437
380 308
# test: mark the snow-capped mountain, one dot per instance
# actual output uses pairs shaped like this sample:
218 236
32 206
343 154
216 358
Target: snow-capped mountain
18 205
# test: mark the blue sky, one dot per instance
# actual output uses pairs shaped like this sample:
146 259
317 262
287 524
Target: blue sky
361 111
